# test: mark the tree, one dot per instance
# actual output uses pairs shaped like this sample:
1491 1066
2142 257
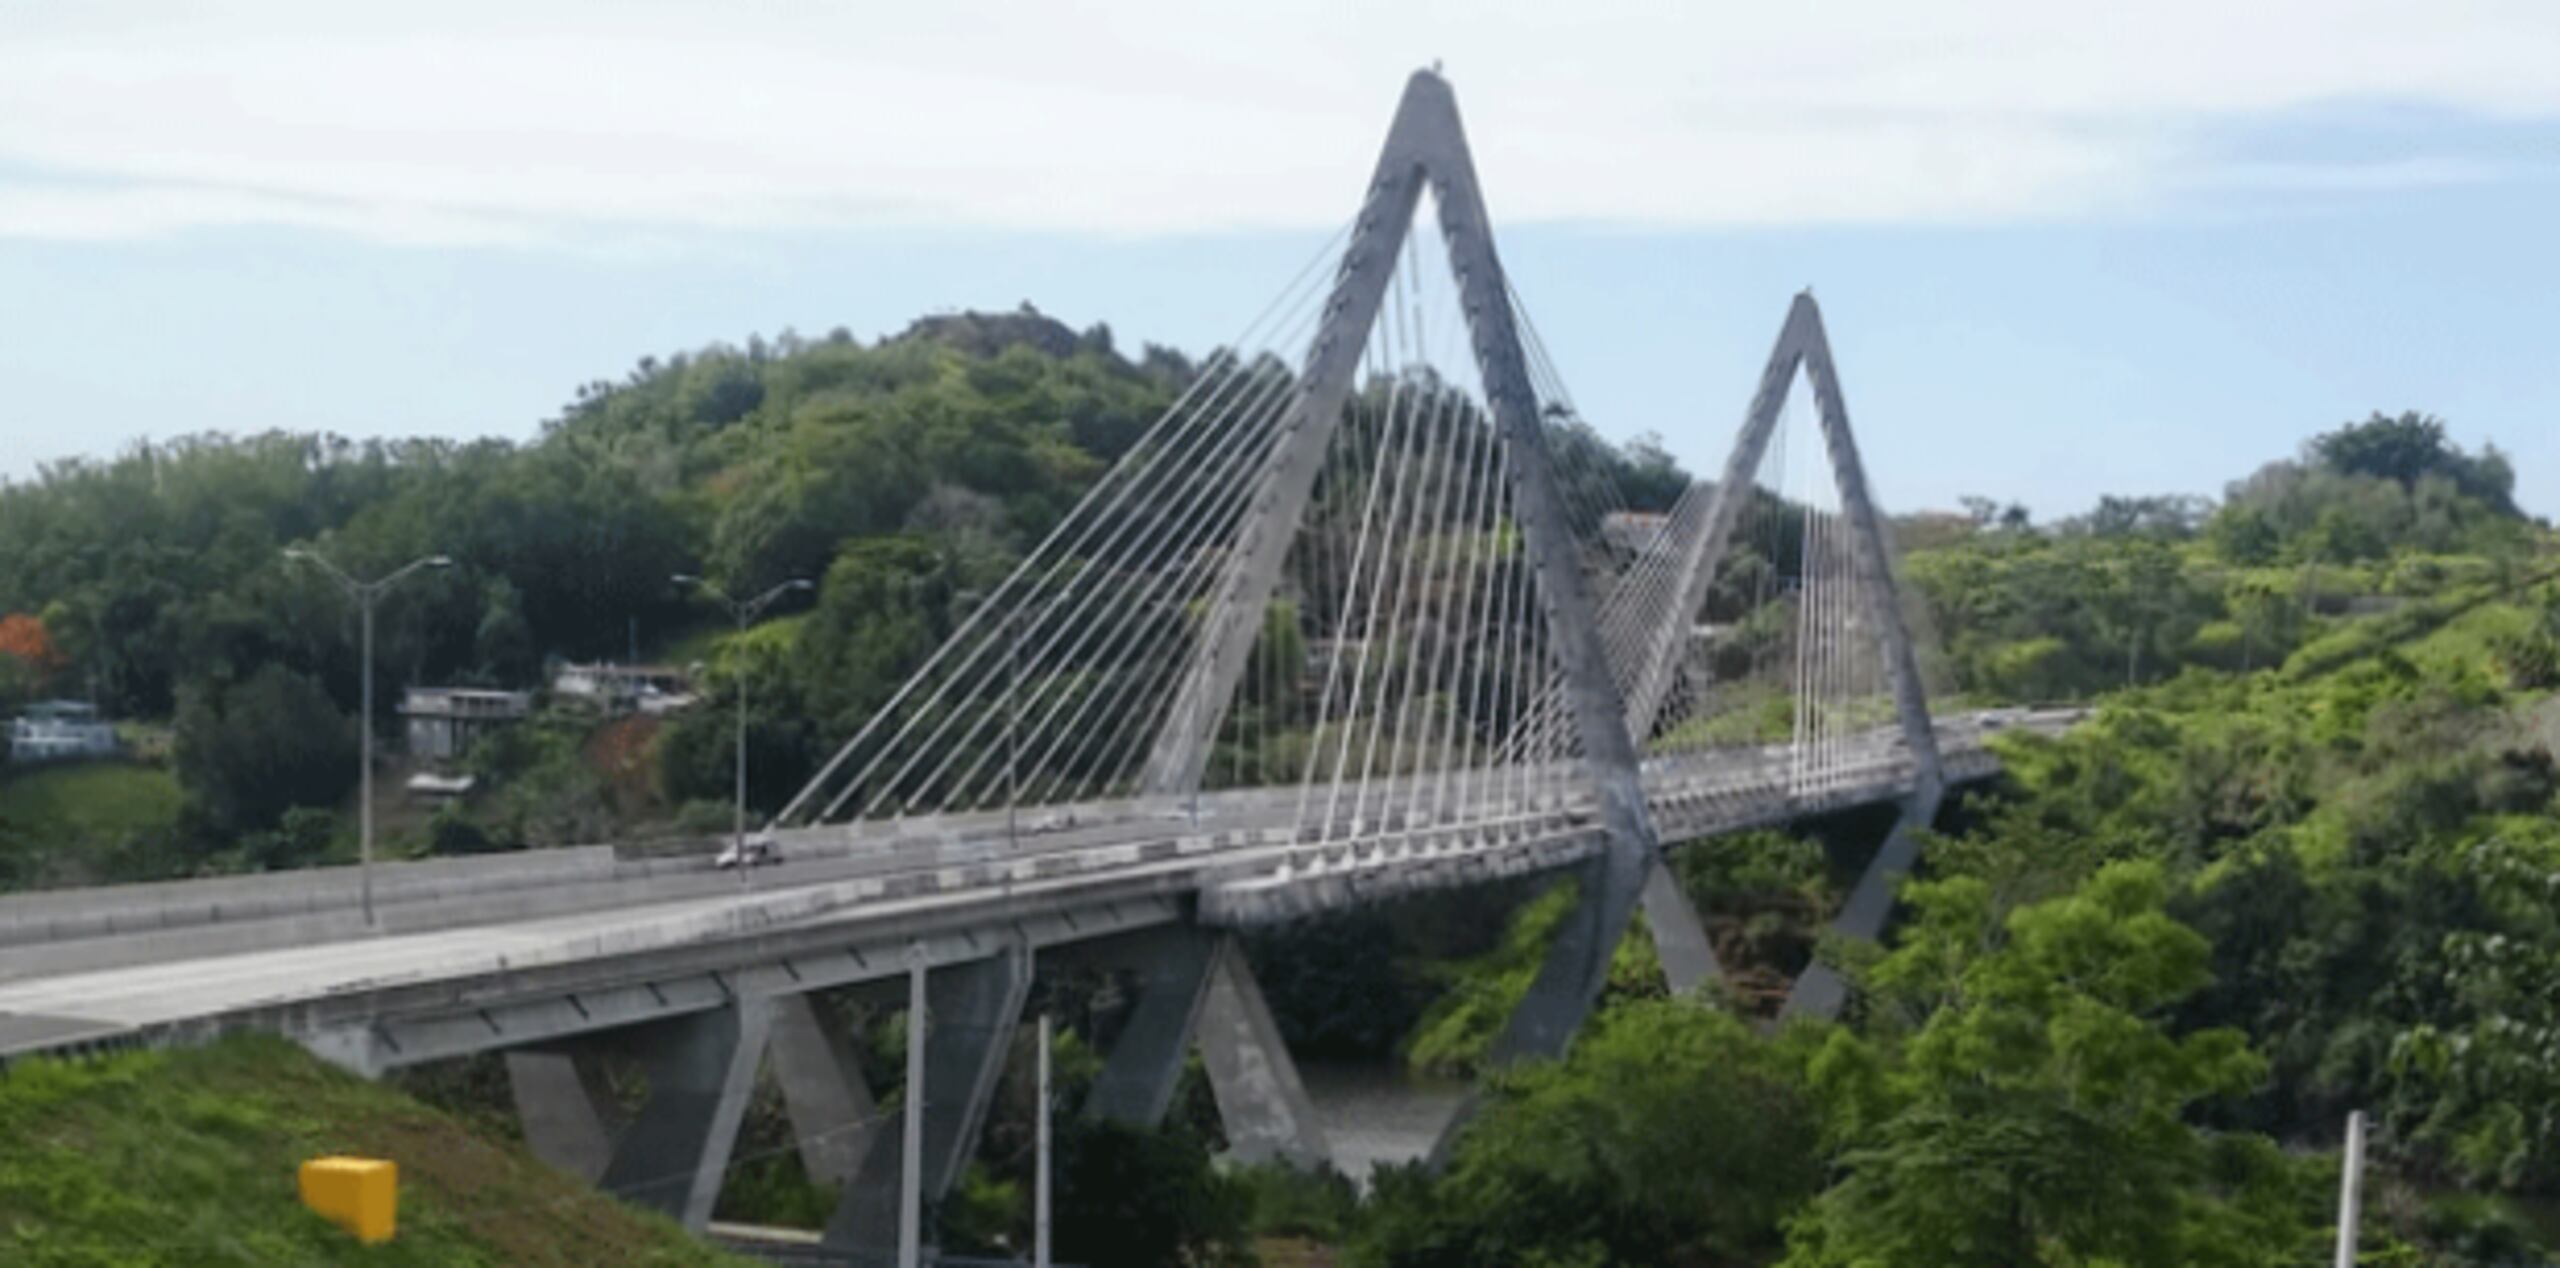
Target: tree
2243 535
1128 1195
2408 448
24 637
2167 517
28 659
2271 621
2484 1087
248 752
2039 1113
1672 1134
2402 448
300 838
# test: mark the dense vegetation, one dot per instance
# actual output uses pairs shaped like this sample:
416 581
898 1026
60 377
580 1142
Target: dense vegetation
902 476
2300 862
898 473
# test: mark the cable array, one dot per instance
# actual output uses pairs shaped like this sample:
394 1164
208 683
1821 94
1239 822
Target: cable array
1402 675
1412 638
1050 688
1786 660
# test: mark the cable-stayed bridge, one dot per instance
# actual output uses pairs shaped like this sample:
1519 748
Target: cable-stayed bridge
1369 611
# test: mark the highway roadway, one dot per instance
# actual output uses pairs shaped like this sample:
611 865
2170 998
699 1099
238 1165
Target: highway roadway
838 881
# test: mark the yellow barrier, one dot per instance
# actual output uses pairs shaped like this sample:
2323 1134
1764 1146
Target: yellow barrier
361 1195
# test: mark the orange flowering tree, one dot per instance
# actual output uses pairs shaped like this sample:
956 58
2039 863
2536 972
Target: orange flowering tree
27 656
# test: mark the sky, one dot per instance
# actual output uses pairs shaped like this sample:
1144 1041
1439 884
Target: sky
2063 250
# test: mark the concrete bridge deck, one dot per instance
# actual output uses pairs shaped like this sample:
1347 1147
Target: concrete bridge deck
710 980
211 956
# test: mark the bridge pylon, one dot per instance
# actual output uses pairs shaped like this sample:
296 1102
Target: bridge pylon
1658 619
1426 149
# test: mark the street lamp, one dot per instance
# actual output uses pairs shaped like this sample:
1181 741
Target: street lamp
364 594
744 613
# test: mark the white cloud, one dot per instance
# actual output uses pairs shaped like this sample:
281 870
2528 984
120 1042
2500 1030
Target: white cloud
545 121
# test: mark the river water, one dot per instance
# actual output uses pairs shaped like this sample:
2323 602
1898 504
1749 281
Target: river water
1378 1112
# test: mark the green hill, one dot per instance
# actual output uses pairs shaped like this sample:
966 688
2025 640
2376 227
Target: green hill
188 1157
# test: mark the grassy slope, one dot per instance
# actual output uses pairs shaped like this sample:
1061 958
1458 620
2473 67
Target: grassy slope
188 1158
95 800
59 824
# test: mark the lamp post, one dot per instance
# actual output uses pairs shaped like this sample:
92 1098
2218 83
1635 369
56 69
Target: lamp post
364 594
743 612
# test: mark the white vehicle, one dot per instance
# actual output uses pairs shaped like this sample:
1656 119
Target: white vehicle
758 849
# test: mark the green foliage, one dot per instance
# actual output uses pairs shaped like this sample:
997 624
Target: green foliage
1127 1196
2310 753
2488 1075
1290 1202
302 837
1673 1133
981 1212
2028 616
2410 448
159 572
2131 592
1764 896
1454 1035
1343 986
2172 517
249 752
86 822
450 831
2039 1115
2529 652
2368 490
545 790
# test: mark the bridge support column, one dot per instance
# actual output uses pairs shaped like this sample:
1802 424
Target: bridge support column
563 1106
1679 936
1138 1079
1576 969
1819 990
971 1013
701 1069
1265 1108
1578 965
833 1117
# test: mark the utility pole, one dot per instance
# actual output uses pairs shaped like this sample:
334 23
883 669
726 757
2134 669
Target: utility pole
911 1145
365 594
744 613
2351 1191
1040 1177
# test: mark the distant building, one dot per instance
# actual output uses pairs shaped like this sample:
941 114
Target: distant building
651 689
60 730
443 721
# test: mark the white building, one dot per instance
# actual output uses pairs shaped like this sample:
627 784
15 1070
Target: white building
651 689
60 730
443 721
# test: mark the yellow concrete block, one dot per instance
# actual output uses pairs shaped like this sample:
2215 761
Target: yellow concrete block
362 1195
